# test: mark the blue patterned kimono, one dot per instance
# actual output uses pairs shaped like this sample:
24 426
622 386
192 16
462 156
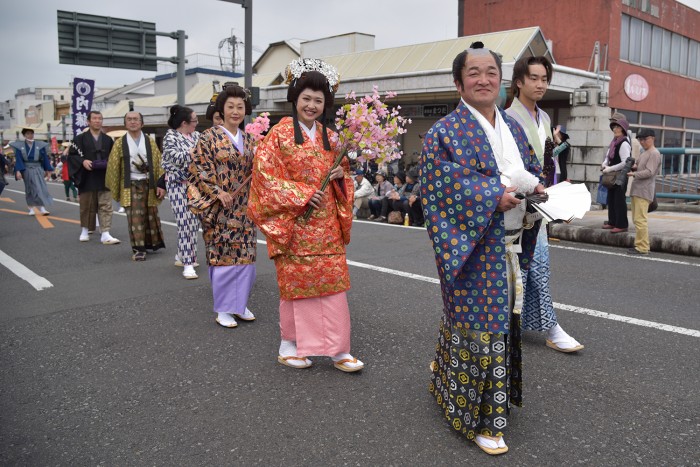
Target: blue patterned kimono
538 310
460 190
476 373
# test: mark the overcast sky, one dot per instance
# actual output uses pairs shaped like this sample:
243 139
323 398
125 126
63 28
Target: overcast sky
29 45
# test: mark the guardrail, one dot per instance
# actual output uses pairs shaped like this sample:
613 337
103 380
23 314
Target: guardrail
680 174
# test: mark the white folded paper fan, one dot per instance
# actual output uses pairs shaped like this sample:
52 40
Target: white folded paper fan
566 202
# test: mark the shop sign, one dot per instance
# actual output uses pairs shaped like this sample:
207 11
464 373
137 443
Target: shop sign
636 87
435 110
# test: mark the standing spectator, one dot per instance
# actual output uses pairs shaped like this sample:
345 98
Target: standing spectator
68 184
309 255
563 151
33 167
618 152
382 188
87 159
363 190
219 179
643 189
132 170
179 141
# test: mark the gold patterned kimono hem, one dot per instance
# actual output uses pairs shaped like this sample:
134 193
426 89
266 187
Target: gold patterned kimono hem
145 232
293 273
477 375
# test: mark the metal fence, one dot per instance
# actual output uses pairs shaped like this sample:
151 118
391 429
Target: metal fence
680 174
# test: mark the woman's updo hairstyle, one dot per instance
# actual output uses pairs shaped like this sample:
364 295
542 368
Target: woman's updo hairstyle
233 90
317 75
313 80
179 114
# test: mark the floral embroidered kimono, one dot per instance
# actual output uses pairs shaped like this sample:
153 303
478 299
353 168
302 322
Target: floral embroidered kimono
176 163
309 255
476 370
229 234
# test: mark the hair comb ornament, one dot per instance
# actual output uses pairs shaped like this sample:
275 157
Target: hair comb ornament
298 67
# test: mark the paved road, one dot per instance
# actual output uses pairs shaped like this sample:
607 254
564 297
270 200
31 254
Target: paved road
121 363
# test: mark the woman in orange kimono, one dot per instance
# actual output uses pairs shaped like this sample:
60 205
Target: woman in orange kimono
309 255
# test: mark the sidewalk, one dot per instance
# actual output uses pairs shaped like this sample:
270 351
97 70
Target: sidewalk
669 232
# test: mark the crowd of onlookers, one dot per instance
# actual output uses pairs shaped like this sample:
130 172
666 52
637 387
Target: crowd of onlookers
390 195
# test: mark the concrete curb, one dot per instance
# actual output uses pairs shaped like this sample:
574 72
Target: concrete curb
663 244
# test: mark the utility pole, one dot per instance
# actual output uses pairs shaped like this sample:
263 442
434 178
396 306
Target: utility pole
248 7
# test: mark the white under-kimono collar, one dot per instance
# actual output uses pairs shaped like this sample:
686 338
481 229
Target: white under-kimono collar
310 132
137 147
237 140
505 150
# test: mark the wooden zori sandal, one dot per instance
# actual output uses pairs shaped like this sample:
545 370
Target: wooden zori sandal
291 361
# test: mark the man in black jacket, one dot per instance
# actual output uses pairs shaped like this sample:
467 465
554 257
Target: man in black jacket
88 157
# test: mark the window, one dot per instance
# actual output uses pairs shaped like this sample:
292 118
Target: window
692 123
631 115
672 139
652 119
666 51
646 44
674 122
675 53
625 38
636 40
657 38
692 58
684 56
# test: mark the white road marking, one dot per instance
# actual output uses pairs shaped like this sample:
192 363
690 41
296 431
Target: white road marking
627 319
559 306
23 272
625 255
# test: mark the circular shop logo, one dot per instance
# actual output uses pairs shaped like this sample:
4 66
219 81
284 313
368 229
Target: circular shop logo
636 87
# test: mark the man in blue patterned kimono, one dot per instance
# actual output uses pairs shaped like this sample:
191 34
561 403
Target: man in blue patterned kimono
531 77
470 162
32 165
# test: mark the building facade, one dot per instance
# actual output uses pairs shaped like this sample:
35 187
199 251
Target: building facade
650 48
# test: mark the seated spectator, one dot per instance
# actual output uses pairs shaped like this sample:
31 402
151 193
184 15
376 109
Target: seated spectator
413 204
405 201
393 199
382 188
363 190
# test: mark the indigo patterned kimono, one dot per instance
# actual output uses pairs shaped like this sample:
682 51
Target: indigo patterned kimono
538 310
476 371
460 189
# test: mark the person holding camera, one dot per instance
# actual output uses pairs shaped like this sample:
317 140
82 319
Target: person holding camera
87 161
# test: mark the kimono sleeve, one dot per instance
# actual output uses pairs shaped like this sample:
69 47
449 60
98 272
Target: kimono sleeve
344 192
459 201
275 199
203 184
113 177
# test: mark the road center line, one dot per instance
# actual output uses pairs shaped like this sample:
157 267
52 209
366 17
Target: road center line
23 272
560 306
